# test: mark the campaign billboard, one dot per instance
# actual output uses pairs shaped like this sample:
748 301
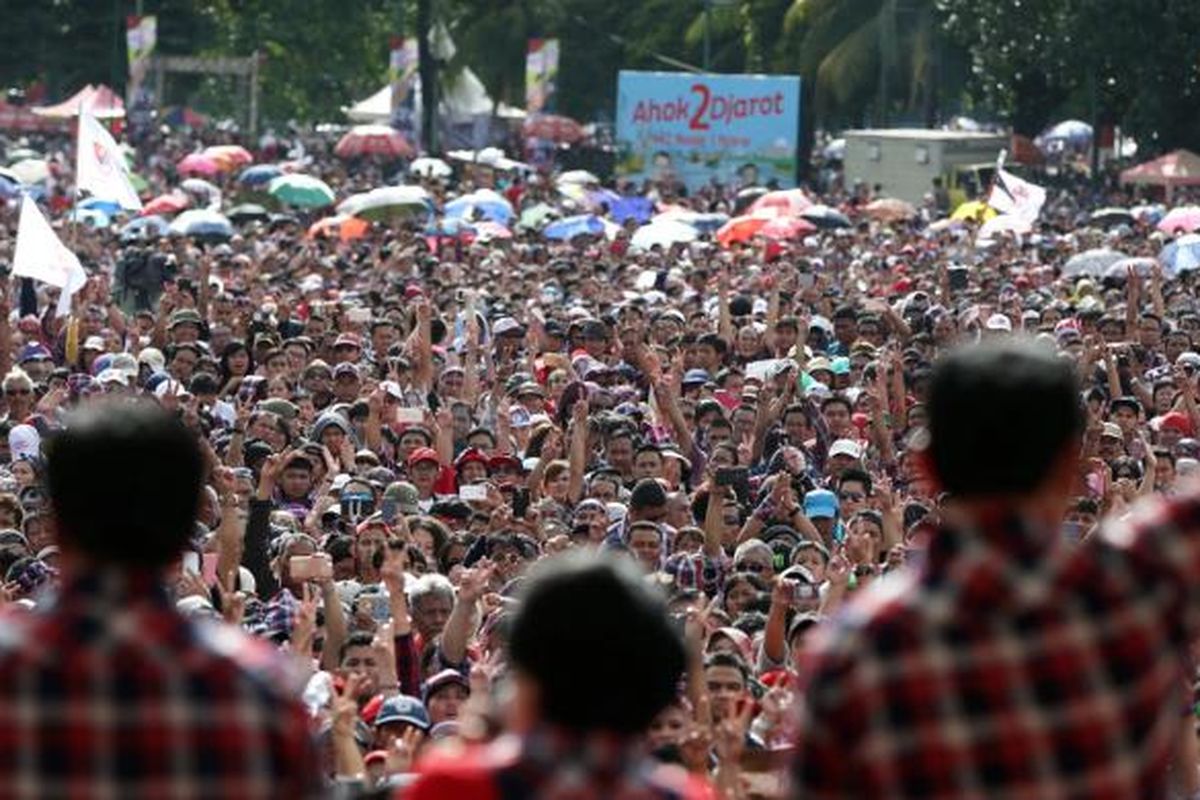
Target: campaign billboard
737 129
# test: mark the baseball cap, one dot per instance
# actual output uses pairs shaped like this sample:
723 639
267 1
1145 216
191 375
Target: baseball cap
345 369
507 325
441 680
423 454
845 447
405 495
1111 430
153 358
820 504
1177 421
696 377
94 343
999 322
347 340
402 708
33 352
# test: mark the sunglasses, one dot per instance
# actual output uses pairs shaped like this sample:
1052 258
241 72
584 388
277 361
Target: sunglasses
750 566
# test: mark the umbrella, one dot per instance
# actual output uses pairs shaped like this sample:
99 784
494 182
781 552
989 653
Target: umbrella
22 154
568 228
92 217
1151 212
9 175
247 212
342 226
229 156
428 167
1092 262
890 209
373 140
108 207
259 175
552 128
201 223
388 202
149 227
976 210
835 150
31 170
743 228
303 191
783 201
198 164
1184 219
1181 255
451 228
488 231
481 204
171 203
663 233
1003 223
537 215
1120 269
10 186
201 187
825 217
576 176
745 197
1071 130
1108 217
784 228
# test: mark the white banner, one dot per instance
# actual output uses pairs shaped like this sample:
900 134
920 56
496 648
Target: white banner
100 165
41 255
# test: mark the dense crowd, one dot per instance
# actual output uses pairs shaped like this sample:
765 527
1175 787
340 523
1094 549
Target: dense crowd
398 426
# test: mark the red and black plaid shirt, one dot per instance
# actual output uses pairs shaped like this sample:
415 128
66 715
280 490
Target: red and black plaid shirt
110 693
1011 665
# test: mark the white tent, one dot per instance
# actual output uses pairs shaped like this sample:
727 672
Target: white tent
463 99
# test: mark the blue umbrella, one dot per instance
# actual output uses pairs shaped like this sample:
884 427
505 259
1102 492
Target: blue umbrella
99 204
450 227
481 204
200 223
639 209
570 227
92 217
259 174
1181 255
150 227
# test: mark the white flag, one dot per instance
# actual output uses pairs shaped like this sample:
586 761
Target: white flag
41 255
100 165
1020 198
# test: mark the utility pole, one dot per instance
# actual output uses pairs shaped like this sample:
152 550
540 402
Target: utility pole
427 70
708 4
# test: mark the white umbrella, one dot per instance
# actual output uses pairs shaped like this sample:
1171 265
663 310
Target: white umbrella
663 233
386 201
576 176
31 170
429 167
1092 262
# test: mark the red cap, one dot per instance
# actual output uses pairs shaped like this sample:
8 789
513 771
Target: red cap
469 455
412 291
423 454
1175 420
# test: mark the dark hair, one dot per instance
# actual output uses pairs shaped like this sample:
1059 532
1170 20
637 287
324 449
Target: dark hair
722 659
978 393
592 621
851 474
106 448
356 639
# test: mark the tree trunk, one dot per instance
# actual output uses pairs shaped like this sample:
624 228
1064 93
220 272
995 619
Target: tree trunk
427 71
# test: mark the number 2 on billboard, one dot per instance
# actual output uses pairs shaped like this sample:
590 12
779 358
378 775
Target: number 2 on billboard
697 123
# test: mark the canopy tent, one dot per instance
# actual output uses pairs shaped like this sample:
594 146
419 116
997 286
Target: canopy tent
462 98
1180 168
19 118
100 101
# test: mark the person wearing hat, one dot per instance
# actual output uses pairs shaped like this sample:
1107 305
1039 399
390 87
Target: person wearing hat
396 717
444 694
427 472
347 382
185 325
821 508
347 349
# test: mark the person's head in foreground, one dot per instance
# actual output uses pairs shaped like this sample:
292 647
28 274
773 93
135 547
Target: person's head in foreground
592 648
1004 427
124 481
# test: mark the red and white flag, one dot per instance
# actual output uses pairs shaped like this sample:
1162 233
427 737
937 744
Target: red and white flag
41 255
100 165
1016 197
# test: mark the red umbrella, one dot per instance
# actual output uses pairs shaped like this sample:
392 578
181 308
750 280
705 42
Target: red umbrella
784 228
788 201
229 156
171 203
373 140
744 228
198 164
553 128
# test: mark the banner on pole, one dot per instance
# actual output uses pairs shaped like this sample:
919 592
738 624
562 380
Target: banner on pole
541 74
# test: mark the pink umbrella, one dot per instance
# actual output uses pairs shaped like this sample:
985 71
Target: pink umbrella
373 140
171 203
784 228
1184 219
198 164
487 230
552 128
788 201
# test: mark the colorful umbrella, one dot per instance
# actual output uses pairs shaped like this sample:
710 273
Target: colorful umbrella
481 204
344 227
198 164
791 202
1183 219
373 140
537 215
825 217
663 233
171 203
569 227
259 175
303 191
99 204
552 127
388 202
428 167
201 223
1181 255
744 228
784 228
92 217
890 209
487 231
229 156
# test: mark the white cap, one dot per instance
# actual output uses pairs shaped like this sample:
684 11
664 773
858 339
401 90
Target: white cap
153 358
999 322
845 447
94 343
24 441
111 375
